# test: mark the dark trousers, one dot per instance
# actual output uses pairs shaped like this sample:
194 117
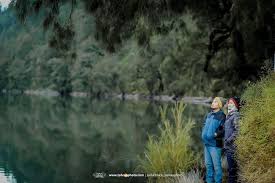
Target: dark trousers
232 167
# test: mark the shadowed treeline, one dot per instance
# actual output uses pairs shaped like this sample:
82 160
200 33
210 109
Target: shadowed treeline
200 48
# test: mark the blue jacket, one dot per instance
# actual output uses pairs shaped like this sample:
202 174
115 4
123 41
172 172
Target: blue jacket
231 128
213 122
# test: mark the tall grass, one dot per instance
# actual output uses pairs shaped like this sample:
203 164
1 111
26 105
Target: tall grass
256 141
170 152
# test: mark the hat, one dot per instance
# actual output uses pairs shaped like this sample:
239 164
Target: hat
236 101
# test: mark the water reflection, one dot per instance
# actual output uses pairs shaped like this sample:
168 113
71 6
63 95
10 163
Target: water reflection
6 177
62 141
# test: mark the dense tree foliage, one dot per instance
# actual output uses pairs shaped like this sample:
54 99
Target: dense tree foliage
151 47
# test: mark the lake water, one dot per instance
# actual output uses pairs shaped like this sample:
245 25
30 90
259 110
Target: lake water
55 140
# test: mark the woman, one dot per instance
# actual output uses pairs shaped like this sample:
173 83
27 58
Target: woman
231 128
212 139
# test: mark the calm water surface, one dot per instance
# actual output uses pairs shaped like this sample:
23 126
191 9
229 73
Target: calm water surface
54 140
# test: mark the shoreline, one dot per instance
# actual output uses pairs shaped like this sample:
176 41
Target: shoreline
136 97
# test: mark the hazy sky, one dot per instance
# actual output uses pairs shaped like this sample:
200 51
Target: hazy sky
5 2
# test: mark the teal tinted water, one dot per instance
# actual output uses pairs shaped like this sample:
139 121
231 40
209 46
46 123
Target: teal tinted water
54 140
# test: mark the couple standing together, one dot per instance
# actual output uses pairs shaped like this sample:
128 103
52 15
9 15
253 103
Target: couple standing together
219 132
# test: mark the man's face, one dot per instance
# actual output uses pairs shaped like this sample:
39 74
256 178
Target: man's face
215 104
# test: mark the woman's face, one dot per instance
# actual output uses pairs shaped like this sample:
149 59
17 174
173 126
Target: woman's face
230 102
215 104
230 105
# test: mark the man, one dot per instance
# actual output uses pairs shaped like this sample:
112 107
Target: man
231 128
212 134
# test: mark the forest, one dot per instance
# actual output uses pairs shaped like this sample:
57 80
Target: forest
150 47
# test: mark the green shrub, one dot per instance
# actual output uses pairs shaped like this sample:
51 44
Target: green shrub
170 152
255 143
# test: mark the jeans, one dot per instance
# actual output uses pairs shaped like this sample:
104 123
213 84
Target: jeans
213 158
232 167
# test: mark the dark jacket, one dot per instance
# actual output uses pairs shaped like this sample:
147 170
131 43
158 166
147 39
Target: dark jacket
213 124
231 129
